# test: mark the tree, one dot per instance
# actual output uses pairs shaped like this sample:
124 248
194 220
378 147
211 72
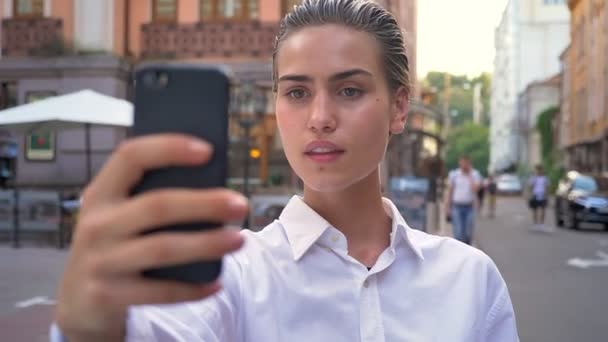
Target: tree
472 140
486 93
544 128
461 95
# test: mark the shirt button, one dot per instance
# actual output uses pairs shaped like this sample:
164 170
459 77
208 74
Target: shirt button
335 238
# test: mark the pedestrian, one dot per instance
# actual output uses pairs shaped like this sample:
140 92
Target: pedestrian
491 186
538 185
481 191
463 185
340 263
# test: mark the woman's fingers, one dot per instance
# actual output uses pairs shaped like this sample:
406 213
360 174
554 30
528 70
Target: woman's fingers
166 249
160 208
125 292
132 158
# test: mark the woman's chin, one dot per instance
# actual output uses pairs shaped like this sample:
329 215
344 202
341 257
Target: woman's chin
326 185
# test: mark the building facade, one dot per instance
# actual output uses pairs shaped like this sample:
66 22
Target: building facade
53 47
585 124
538 97
528 41
561 133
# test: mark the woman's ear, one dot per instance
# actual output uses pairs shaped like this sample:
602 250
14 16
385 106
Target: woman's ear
400 108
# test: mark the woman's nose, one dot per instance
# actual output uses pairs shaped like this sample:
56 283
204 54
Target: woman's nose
322 117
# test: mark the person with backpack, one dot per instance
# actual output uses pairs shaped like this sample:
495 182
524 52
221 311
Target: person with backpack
538 184
491 186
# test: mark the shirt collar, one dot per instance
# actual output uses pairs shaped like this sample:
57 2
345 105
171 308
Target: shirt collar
400 228
304 226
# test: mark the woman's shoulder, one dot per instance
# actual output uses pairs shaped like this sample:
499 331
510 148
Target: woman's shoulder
440 249
269 240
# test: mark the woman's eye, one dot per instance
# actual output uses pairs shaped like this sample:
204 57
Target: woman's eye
351 92
296 94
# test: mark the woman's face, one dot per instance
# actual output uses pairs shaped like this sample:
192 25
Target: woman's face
334 108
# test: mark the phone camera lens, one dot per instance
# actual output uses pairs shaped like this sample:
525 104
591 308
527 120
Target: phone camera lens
149 79
162 79
156 79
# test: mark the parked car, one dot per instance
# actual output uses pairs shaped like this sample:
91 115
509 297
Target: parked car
581 198
509 185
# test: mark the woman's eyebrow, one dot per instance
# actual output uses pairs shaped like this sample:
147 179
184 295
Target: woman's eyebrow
334 78
295 78
349 73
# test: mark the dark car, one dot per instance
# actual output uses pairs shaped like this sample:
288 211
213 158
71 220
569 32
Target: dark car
581 198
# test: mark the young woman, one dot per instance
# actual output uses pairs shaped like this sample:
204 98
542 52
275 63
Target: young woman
340 264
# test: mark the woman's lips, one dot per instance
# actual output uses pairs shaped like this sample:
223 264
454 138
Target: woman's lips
323 151
325 157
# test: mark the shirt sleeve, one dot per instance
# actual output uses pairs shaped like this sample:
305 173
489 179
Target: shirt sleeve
213 319
451 178
477 177
500 324
55 334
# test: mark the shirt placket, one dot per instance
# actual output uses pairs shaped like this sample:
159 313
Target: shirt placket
371 328
370 312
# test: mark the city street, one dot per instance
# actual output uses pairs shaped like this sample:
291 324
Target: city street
557 280
27 289
554 301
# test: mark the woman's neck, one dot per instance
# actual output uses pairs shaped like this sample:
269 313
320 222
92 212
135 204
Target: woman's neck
358 212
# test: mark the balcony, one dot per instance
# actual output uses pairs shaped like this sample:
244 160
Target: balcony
26 37
208 40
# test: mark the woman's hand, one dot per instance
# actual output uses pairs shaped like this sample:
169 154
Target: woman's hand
102 277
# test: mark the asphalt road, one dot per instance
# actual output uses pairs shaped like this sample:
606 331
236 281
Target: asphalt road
554 301
28 282
558 280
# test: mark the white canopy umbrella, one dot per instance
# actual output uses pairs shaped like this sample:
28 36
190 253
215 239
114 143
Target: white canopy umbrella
72 110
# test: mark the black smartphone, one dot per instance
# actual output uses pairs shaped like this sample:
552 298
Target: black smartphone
193 100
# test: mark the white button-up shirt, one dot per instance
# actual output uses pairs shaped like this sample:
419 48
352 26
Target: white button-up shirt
294 281
461 184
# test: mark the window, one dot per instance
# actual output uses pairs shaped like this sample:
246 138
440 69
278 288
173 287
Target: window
605 99
581 108
228 9
164 10
28 8
580 36
585 183
8 94
287 5
41 145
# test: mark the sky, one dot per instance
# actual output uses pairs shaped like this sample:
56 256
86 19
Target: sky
457 36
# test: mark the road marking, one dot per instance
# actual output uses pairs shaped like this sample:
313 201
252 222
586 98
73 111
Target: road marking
40 300
587 263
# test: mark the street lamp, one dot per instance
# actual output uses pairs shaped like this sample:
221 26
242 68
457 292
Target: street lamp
248 106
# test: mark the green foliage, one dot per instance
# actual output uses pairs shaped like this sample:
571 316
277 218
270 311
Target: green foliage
461 100
461 95
544 128
486 95
472 140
